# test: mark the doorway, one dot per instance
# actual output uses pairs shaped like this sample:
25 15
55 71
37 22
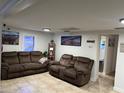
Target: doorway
102 53
107 56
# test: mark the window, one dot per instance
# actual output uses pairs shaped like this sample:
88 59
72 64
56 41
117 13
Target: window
28 43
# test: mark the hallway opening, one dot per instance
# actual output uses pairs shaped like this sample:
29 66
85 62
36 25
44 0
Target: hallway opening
107 55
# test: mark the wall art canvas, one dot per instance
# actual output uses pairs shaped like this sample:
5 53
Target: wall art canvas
71 40
10 38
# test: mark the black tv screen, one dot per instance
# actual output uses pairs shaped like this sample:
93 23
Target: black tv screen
71 40
10 38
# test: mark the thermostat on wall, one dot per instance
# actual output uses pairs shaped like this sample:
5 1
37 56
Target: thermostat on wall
90 41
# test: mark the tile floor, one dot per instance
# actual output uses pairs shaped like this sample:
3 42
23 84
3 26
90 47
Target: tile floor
104 84
45 83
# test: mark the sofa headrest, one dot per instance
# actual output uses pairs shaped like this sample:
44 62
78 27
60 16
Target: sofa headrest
67 56
36 53
83 59
66 60
24 53
10 58
9 54
74 58
83 63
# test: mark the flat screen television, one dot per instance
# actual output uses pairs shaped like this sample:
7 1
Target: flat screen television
71 40
10 38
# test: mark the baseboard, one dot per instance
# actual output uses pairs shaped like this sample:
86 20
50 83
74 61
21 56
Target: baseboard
118 89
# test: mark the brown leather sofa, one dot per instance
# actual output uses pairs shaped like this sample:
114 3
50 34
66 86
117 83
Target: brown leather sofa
76 70
17 64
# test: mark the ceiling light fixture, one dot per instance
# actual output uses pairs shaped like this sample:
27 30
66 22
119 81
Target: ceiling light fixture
46 29
122 20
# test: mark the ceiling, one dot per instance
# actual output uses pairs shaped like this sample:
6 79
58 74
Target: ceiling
72 15
2 1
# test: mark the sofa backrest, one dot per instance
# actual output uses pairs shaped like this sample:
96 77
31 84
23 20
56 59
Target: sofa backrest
83 64
10 58
24 57
36 56
66 60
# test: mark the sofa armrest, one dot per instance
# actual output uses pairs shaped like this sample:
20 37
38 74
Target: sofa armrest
83 72
69 67
4 65
54 63
4 71
46 63
79 72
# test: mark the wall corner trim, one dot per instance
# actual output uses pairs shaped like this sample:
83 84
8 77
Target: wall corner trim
93 79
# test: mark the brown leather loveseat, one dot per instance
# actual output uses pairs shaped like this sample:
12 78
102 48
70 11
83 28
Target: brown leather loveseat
76 70
17 64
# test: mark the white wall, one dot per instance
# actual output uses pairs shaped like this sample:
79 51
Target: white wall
86 50
41 40
110 55
119 77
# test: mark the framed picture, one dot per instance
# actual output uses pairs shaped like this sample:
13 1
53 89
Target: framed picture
10 38
111 42
71 40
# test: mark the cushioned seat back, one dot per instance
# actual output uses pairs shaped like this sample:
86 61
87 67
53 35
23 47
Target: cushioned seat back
83 64
10 58
73 60
66 60
36 56
24 57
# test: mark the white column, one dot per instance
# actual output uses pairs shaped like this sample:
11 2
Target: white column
119 76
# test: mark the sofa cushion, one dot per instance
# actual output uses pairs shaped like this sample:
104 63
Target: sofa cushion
43 60
16 68
10 58
82 64
33 66
57 68
70 72
66 60
24 57
36 55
